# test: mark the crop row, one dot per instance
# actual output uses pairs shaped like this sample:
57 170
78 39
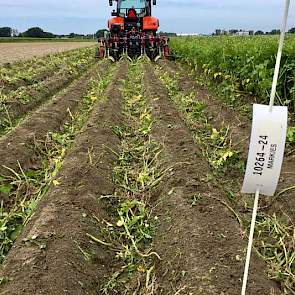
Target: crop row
24 73
242 64
25 86
21 192
226 155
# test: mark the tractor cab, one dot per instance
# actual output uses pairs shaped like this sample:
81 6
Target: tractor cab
133 14
133 31
132 8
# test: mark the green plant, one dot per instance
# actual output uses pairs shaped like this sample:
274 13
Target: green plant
291 135
3 280
220 153
217 146
241 65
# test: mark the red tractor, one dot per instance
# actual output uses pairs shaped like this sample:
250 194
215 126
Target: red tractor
133 32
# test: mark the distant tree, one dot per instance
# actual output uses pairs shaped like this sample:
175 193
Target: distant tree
292 31
37 32
74 35
251 32
275 32
168 34
100 33
90 36
217 32
233 31
14 33
5 32
220 32
259 33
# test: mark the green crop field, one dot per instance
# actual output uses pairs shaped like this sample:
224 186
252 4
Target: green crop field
242 64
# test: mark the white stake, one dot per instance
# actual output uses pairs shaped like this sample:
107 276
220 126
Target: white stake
279 56
271 103
250 243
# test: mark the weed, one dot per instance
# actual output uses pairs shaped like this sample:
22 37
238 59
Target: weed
291 139
195 200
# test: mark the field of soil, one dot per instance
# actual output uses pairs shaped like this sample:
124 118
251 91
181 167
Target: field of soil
114 184
11 52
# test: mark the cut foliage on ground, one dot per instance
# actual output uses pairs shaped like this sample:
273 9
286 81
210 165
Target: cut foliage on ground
125 178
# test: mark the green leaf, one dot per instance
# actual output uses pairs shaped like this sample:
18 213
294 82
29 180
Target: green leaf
16 232
291 135
32 206
3 280
6 189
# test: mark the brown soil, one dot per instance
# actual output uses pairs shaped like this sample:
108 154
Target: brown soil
18 145
41 76
51 86
219 114
67 213
11 52
201 245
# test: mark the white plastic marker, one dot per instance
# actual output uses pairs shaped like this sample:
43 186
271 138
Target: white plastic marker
266 149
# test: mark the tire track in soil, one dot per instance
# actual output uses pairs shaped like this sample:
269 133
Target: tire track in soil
18 145
61 223
199 244
219 113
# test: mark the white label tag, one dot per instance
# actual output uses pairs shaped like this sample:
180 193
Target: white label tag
266 151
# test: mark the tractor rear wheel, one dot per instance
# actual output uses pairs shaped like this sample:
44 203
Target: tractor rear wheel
101 52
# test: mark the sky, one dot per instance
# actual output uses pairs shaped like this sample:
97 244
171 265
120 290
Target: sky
184 16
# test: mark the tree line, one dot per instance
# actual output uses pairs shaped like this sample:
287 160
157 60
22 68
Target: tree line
219 32
37 32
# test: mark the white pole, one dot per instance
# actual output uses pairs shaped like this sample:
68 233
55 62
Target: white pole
279 56
250 242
